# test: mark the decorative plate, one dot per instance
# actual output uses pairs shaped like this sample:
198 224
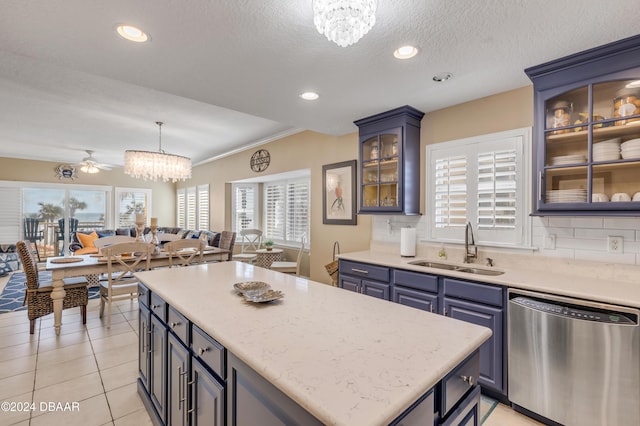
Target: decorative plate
267 296
251 285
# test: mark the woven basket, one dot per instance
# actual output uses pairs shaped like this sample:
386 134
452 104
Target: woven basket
332 268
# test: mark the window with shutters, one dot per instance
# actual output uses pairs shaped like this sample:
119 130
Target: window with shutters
245 206
482 180
192 207
286 211
130 201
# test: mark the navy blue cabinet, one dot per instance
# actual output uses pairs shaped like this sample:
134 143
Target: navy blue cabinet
178 366
389 167
158 349
365 278
416 290
483 305
586 147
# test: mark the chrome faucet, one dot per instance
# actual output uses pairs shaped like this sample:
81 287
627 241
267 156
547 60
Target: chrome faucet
469 256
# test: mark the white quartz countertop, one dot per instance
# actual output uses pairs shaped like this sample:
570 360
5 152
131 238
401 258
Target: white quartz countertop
599 289
347 358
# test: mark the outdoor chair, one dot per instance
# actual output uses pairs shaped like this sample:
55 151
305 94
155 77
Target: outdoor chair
290 267
39 287
251 241
73 227
185 252
32 233
123 260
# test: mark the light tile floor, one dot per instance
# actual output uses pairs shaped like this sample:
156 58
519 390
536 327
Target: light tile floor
92 366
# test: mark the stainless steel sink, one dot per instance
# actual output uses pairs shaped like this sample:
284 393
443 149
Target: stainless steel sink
449 267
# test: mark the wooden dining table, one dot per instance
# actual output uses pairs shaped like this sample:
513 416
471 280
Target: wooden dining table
93 265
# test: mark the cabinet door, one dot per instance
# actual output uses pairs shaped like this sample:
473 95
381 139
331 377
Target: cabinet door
144 346
177 377
207 397
491 364
252 400
349 283
416 298
158 366
375 289
467 413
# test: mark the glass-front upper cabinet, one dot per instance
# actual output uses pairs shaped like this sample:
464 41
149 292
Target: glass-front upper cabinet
390 162
587 133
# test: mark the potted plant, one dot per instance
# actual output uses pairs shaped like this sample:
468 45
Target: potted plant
269 245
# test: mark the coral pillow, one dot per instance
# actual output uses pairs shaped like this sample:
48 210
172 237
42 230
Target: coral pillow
87 239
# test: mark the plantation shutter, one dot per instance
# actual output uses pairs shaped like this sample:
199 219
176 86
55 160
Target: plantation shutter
450 192
297 210
203 207
191 208
497 186
131 202
275 204
10 215
244 206
181 220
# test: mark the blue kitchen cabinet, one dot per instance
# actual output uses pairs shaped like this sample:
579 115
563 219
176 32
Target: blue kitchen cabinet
586 106
480 304
416 290
389 168
364 278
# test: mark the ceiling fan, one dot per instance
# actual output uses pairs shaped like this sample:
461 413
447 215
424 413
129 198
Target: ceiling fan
91 165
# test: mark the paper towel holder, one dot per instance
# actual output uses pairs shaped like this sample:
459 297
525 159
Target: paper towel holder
408 242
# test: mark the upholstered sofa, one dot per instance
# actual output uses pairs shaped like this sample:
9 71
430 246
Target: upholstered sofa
82 241
9 259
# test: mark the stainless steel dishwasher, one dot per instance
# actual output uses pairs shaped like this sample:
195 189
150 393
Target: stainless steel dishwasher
573 361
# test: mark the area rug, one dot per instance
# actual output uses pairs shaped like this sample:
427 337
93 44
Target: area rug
486 407
13 294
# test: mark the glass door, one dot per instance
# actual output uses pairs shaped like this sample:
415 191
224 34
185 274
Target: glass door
379 187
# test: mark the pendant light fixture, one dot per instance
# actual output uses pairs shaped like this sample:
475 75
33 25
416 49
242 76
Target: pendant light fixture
344 22
150 165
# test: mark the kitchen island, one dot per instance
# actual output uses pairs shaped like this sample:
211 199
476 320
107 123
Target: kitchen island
341 358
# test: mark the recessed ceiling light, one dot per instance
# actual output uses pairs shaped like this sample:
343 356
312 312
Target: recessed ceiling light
132 33
443 76
405 52
309 96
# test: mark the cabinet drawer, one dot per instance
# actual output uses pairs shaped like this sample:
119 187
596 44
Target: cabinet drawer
208 350
416 280
467 413
476 292
379 273
158 306
457 383
143 295
179 325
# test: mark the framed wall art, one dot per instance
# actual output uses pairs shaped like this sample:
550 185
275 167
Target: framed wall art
339 193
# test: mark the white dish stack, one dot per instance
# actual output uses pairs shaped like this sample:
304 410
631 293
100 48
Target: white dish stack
568 159
567 196
630 149
608 150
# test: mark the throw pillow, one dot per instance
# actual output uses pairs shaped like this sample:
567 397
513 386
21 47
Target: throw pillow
87 239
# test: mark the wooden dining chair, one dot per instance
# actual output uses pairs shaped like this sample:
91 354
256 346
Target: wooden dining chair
227 242
40 285
110 240
185 252
290 267
123 260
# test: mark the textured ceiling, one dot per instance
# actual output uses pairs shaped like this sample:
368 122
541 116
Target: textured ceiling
225 74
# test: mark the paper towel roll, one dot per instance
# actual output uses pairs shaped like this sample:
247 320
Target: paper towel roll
408 242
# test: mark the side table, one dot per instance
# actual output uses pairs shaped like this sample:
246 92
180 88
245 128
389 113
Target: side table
266 257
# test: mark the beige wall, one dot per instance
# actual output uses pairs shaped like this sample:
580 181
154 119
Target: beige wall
163 199
305 150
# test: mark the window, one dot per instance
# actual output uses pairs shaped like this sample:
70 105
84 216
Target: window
245 206
286 210
192 205
484 181
130 201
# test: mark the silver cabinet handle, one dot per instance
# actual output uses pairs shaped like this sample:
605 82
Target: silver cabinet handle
362 271
155 306
468 379
539 186
174 324
201 351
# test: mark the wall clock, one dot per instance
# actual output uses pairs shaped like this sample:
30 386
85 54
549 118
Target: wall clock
65 171
260 160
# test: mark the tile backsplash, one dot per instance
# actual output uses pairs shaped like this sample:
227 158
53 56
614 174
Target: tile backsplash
576 238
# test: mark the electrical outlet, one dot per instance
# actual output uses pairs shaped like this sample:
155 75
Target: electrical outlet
615 244
550 242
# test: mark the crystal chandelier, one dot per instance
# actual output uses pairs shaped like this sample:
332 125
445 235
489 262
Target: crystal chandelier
344 22
157 165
